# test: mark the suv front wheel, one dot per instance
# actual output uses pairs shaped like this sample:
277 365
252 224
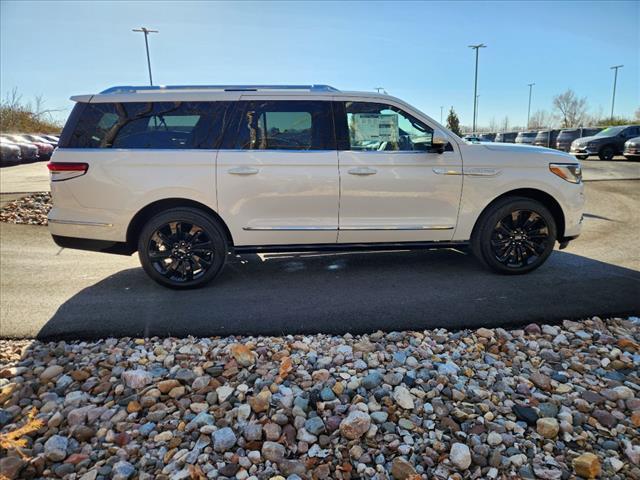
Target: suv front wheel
606 153
182 248
514 236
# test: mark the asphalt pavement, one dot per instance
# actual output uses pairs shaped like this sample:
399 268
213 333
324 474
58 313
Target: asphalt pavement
48 292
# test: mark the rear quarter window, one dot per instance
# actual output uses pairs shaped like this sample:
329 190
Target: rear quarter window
142 125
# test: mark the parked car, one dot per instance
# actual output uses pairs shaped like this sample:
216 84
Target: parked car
39 139
487 137
506 137
605 144
28 151
9 153
632 149
546 138
526 137
134 171
44 149
568 135
473 138
52 138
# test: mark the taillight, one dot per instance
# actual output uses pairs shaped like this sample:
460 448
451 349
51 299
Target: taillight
67 167
66 170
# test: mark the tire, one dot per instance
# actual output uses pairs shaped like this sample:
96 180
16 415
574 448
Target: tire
582 157
514 236
606 153
182 248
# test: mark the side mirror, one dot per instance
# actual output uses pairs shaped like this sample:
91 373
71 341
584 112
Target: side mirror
440 141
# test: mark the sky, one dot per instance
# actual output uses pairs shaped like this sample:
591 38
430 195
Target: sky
417 51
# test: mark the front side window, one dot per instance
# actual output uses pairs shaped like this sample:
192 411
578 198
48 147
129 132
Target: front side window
138 125
283 125
382 127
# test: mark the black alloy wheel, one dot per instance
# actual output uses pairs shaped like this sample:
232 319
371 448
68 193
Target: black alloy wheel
515 235
182 248
519 239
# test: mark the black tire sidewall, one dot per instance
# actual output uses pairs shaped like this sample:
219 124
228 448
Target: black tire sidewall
481 242
191 215
603 153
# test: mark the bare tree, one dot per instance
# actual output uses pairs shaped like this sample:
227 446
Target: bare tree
571 109
493 125
637 114
505 124
539 119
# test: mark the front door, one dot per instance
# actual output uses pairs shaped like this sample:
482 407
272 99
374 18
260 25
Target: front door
393 186
277 173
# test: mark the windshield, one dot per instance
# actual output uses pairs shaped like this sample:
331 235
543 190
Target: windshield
610 132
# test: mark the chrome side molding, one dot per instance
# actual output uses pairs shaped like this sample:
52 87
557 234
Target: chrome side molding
348 228
77 222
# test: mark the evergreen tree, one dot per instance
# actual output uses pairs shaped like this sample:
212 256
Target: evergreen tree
453 122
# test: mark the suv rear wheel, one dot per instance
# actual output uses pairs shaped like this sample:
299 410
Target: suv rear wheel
514 236
182 248
606 153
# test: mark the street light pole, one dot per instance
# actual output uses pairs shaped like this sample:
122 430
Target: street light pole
615 81
475 120
146 32
529 109
441 109
475 89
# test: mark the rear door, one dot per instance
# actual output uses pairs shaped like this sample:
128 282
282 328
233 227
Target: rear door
277 173
393 186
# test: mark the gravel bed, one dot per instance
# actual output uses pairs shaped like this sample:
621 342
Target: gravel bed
544 401
30 210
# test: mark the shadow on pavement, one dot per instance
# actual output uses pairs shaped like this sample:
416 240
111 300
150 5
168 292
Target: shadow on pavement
339 293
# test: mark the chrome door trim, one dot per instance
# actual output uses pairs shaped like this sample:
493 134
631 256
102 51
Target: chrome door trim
348 228
397 227
447 171
301 228
78 222
481 172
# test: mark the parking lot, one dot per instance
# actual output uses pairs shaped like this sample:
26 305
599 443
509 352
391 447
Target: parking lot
53 293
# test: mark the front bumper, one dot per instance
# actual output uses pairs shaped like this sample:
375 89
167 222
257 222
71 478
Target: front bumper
582 151
632 151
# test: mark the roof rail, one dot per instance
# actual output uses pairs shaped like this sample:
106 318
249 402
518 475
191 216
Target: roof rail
226 88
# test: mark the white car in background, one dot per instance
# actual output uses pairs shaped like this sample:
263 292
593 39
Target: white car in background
186 175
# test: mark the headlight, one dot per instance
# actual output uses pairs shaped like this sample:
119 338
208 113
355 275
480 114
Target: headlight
569 172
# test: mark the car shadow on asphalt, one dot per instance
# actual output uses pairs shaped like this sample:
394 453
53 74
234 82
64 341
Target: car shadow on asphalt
340 293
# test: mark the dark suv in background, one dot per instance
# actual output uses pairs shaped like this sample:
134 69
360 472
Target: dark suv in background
526 137
605 144
546 138
506 137
568 135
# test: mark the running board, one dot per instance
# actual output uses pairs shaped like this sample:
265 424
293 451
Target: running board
341 247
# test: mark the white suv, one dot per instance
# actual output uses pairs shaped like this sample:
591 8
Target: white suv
186 175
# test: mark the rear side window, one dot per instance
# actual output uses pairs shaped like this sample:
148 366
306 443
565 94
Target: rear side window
140 125
281 125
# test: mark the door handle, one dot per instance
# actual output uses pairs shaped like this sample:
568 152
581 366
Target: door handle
243 171
363 171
